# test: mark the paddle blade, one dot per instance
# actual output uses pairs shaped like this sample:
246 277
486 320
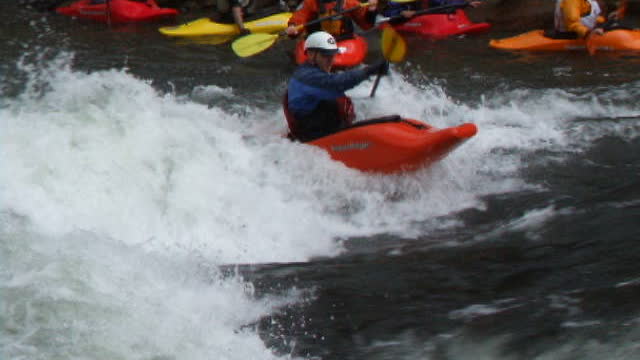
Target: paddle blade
394 46
253 44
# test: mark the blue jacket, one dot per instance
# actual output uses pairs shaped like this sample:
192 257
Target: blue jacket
310 85
314 100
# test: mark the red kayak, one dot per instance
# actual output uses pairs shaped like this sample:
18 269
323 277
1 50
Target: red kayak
393 144
351 52
117 11
440 26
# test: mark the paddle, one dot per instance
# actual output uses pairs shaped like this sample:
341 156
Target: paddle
419 12
253 44
394 49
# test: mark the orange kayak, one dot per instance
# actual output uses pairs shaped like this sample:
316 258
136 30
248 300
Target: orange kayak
393 144
535 40
617 40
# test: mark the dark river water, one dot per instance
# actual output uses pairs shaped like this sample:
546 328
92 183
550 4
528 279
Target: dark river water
150 208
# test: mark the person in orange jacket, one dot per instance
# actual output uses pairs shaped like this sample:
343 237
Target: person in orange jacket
339 27
580 17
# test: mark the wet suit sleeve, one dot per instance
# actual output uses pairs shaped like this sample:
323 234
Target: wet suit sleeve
339 82
310 85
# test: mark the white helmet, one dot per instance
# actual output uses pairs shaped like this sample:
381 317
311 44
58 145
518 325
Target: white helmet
321 41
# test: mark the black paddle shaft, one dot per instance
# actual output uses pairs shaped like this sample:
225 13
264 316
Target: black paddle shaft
425 11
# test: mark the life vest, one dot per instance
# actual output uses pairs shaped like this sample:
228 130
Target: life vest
346 110
291 122
345 116
335 26
589 20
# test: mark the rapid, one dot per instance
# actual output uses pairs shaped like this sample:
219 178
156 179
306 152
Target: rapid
150 207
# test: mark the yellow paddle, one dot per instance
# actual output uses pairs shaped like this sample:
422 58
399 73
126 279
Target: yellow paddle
253 44
394 49
207 27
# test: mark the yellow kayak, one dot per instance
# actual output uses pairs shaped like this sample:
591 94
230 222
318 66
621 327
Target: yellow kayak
204 26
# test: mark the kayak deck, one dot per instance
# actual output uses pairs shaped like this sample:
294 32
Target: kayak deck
535 40
393 144
617 40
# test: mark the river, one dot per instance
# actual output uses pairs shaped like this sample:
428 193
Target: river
151 209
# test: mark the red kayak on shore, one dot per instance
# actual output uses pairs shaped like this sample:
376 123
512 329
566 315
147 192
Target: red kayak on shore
117 11
439 26
351 52
393 144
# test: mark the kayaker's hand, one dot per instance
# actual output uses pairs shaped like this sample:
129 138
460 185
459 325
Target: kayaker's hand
379 67
408 13
292 31
475 3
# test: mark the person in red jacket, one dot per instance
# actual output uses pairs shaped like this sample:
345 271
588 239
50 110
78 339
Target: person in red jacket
339 27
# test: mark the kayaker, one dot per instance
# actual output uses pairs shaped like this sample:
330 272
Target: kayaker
577 18
340 27
315 104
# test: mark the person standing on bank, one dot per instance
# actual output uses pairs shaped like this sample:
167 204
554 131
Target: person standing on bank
315 104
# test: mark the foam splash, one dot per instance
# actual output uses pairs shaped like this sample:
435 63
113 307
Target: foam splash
105 152
83 296
118 202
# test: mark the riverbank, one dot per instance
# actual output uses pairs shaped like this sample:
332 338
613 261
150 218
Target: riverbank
503 14
508 15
